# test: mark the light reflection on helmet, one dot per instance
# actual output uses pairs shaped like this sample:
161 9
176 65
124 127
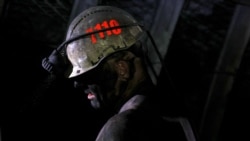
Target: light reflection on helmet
112 30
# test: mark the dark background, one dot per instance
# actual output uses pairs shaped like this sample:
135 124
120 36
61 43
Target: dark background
214 96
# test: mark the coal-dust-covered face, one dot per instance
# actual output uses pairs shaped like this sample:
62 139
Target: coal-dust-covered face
113 81
99 85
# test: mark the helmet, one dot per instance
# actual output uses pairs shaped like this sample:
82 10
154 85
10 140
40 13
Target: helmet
96 33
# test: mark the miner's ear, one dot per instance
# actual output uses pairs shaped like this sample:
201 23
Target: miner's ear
122 68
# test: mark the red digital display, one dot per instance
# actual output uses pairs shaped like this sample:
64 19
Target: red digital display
104 25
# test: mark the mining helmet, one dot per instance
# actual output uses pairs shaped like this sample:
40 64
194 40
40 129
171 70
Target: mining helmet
98 32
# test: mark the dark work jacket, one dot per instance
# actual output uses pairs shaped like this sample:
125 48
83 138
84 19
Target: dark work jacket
137 121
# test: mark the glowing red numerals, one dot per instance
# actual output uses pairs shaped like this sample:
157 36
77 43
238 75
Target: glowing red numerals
104 25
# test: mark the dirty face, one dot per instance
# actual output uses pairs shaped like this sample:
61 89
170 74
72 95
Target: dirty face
104 85
98 85
113 81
